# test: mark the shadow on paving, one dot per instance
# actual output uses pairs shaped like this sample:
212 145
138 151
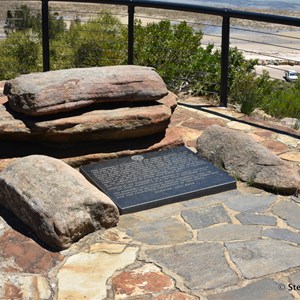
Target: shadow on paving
17 225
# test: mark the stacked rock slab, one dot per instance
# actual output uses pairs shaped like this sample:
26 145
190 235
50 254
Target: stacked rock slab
52 92
101 103
112 122
108 105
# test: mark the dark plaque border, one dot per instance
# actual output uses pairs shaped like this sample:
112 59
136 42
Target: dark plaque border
157 178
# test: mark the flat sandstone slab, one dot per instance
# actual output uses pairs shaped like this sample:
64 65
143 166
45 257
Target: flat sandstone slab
102 123
52 92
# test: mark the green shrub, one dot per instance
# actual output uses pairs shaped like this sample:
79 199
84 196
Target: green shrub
174 50
249 90
170 49
20 53
277 98
176 53
98 42
283 101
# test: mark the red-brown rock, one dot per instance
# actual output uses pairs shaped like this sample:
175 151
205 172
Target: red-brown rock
145 280
12 292
203 123
276 147
52 92
21 254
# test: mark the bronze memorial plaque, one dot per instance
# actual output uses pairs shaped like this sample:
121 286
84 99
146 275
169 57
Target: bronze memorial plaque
152 179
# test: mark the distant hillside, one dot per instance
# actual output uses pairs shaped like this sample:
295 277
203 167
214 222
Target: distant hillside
70 8
84 10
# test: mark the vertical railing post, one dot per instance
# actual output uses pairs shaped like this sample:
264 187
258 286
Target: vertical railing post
45 35
130 34
225 61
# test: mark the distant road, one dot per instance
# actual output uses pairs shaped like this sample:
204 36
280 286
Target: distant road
276 72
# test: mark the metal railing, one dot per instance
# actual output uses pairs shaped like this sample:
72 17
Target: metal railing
226 15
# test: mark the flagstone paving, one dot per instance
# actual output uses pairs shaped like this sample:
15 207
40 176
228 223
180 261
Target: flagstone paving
240 244
288 211
262 289
255 219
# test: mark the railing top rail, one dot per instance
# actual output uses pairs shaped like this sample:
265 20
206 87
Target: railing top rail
191 6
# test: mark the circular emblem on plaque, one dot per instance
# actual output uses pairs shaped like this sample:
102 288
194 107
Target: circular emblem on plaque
137 157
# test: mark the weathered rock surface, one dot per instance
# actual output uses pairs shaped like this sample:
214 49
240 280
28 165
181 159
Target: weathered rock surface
51 92
291 122
262 289
24 287
102 123
232 232
139 282
288 211
251 203
164 231
262 257
282 234
28 257
256 219
209 270
247 160
84 275
55 200
206 216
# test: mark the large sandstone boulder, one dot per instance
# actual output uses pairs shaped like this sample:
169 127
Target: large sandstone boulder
247 160
102 123
51 92
55 200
